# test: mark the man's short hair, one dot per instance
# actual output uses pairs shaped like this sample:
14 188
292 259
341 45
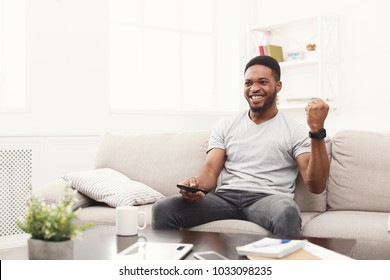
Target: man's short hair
267 61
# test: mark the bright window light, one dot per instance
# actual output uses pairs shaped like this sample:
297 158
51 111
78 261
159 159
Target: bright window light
173 56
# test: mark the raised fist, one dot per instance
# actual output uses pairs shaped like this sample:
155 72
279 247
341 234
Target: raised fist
316 113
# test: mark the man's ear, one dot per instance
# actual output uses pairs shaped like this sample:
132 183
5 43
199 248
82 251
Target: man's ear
278 86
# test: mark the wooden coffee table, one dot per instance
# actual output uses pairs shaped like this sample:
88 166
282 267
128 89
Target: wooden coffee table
102 243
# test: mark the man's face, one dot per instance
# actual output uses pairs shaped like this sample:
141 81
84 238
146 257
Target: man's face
260 88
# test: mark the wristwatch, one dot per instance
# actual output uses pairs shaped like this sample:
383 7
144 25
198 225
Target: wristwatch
321 134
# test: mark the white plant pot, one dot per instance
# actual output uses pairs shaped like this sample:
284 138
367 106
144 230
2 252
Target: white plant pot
50 250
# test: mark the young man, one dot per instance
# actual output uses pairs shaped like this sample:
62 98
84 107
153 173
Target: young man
258 155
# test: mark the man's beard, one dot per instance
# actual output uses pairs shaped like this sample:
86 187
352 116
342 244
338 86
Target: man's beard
266 105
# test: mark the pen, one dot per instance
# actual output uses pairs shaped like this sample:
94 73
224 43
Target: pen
270 242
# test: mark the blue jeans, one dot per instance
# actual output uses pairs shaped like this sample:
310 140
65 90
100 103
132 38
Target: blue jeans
277 213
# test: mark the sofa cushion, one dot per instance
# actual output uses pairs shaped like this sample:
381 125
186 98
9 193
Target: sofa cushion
157 160
231 226
97 215
111 187
359 174
101 214
242 226
368 228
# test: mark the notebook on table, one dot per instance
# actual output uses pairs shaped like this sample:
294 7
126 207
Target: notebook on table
271 247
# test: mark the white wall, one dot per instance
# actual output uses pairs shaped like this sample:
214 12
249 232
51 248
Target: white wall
364 97
68 77
67 69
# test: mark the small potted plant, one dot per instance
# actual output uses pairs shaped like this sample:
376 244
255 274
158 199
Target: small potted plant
52 227
311 51
311 47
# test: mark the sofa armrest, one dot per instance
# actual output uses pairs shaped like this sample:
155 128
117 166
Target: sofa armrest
54 191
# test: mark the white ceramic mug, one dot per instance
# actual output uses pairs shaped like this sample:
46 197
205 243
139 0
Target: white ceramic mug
127 220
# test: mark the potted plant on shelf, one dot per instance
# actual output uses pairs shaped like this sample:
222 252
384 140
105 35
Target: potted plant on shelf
52 227
311 51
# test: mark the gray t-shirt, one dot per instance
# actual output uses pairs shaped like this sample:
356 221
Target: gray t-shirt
260 158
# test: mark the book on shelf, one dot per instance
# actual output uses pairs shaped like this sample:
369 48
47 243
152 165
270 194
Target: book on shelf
271 247
262 50
272 50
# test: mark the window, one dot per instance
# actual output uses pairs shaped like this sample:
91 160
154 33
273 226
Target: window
174 55
12 55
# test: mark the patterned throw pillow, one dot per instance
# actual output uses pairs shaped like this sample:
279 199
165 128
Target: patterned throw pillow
112 187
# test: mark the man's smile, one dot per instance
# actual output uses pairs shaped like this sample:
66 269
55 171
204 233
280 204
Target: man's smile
256 98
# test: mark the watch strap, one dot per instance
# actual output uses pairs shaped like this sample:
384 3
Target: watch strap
321 134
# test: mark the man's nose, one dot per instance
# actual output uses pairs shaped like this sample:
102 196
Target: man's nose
255 87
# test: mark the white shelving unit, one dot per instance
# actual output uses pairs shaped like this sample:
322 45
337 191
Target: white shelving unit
305 78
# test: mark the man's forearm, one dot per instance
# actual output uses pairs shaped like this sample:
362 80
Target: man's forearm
207 181
208 176
318 168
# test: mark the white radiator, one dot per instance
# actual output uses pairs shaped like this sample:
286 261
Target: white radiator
27 162
15 189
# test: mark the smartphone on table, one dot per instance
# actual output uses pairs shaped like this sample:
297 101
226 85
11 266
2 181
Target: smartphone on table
209 255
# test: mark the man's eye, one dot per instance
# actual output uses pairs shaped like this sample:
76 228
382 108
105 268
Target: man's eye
247 84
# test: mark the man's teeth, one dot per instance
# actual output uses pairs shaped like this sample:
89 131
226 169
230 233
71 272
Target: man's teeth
256 97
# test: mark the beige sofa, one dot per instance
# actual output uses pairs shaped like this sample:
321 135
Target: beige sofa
355 205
